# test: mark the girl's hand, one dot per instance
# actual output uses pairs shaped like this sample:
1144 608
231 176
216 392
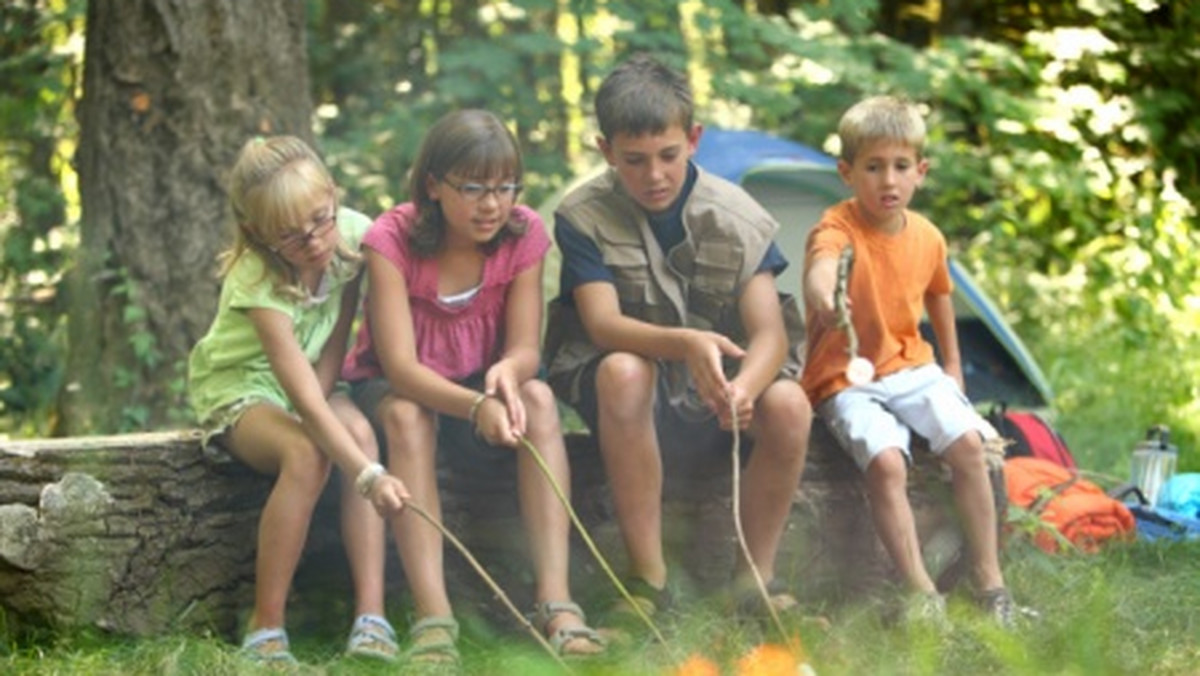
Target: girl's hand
502 381
388 495
493 424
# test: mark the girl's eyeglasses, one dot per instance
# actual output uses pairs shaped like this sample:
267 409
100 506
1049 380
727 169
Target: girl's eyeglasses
476 192
289 244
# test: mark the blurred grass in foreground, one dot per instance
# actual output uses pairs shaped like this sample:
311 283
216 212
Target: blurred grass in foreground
1129 609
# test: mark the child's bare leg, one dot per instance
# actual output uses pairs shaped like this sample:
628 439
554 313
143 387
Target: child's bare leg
412 443
625 402
362 527
545 516
887 488
271 441
782 420
973 497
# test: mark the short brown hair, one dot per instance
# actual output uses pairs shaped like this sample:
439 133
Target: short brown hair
641 96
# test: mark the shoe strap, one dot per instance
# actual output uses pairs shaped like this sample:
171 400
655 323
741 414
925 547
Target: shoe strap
366 622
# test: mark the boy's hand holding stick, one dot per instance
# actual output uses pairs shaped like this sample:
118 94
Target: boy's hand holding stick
859 371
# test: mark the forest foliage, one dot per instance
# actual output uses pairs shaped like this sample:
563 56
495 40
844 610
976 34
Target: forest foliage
1065 149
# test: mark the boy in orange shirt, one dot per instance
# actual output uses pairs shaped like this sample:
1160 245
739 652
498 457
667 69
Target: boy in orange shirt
900 268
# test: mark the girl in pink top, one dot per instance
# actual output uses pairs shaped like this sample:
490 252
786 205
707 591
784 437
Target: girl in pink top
446 360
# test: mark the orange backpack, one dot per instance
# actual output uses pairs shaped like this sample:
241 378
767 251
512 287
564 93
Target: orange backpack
1077 508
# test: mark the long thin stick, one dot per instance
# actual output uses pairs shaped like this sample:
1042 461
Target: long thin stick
793 643
845 260
737 523
562 496
521 619
859 371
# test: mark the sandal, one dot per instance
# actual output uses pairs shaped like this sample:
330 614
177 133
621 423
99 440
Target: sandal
750 602
544 614
372 636
267 646
432 643
652 601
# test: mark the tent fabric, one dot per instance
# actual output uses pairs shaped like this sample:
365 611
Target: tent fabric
734 153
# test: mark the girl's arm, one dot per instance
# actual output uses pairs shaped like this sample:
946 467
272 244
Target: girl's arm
521 357
308 396
329 364
940 309
523 322
395 344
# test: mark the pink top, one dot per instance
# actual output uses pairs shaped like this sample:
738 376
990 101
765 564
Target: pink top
455 341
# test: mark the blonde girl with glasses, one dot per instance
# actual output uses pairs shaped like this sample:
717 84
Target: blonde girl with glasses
446 364
263 382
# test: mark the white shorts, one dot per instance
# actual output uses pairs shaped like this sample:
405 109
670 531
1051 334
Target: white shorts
868 419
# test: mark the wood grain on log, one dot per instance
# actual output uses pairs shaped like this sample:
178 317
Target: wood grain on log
147 533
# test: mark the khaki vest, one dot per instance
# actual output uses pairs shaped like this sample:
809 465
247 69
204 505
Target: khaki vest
695 284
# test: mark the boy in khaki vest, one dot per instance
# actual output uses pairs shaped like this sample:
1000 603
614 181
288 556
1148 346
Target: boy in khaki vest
668 321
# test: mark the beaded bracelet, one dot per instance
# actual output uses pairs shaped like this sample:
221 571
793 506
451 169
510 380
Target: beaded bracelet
367 477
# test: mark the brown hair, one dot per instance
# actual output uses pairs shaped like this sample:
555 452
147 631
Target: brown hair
473 144
641 96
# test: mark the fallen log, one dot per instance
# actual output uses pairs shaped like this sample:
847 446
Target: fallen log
144 534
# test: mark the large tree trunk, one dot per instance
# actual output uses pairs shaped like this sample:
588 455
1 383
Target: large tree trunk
144 534
171 92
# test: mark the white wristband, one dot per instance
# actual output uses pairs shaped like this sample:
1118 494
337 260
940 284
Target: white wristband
367 477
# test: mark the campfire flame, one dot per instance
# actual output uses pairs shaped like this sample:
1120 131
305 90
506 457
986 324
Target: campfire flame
767 659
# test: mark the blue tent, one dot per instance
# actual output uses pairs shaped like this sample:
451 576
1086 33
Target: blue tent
797 183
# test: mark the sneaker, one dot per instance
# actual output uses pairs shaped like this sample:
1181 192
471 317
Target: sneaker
926 609
999 605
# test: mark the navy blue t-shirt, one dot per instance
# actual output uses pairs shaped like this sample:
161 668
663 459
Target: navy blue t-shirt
582 262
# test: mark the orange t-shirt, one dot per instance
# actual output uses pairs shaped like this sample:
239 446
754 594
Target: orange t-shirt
889 280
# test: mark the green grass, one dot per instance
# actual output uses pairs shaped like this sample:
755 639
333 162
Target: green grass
1129 609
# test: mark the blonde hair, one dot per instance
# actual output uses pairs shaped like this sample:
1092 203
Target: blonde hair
880 118
271 187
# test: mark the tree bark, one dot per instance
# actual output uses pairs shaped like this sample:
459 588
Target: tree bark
136 534
171 92
143 534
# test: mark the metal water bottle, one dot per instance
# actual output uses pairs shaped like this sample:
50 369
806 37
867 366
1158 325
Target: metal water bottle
1153 462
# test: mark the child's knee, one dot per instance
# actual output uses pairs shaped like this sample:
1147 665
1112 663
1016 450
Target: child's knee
622 376
306 467
888 469
966 454
398 417
785 405
538 397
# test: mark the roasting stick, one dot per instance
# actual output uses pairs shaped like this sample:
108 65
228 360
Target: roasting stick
859 371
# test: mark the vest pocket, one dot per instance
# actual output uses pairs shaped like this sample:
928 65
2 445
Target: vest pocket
630 269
